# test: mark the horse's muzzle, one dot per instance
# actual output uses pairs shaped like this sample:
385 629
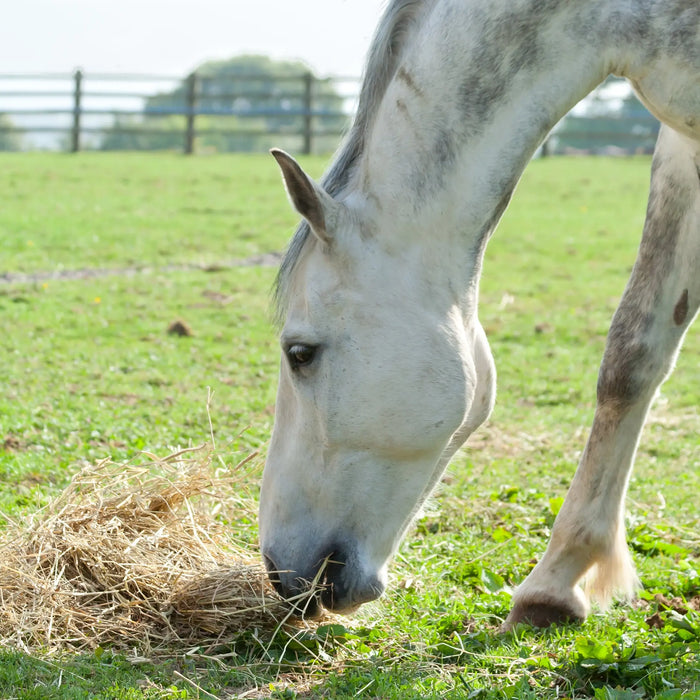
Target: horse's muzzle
331 581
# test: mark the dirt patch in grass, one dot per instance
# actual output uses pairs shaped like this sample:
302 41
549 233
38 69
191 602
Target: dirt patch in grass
11 443
263 260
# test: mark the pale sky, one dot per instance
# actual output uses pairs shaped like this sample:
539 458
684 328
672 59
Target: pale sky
172 37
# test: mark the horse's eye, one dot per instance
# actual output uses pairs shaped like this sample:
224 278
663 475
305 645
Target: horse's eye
300 355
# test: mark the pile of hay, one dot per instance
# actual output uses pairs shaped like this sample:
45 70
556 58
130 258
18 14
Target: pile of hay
127 557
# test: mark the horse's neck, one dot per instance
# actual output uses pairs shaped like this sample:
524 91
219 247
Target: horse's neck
478 87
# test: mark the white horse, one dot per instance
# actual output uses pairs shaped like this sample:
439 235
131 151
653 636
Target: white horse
385 367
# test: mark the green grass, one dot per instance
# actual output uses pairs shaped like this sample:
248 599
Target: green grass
122 210
88 370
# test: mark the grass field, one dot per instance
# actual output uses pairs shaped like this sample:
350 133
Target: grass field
88 371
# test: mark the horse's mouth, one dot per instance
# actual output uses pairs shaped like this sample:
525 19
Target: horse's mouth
313 605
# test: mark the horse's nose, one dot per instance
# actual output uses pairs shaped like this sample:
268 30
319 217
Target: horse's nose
329 579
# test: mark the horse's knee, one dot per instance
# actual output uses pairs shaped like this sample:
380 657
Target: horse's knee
621 377
637 358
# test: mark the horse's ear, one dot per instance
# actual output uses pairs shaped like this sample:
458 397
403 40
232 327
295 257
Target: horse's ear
308 197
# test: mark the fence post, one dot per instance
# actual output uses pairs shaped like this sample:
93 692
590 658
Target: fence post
77 100
191 108
308 111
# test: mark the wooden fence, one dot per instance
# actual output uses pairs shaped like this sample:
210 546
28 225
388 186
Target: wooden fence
202 112
300 108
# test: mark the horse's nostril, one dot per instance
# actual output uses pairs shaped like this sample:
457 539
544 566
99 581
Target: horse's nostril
273 574
334 588
269 564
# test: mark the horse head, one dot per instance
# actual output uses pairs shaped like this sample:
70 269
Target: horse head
381 378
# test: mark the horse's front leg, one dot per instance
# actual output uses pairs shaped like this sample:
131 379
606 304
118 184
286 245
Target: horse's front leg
659 303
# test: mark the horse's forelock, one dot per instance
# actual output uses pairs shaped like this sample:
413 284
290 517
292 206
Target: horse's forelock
382 63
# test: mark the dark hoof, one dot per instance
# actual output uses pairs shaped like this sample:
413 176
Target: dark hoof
540 615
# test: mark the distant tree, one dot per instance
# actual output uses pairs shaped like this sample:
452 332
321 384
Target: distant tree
10 136
242 101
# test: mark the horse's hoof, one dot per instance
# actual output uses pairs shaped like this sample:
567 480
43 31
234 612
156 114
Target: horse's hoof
541 615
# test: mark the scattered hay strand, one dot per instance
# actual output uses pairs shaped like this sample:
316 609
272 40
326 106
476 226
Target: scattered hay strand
127 557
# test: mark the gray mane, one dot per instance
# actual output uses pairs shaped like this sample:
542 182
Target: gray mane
382 63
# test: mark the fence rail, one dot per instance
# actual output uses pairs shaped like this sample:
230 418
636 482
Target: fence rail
246 111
